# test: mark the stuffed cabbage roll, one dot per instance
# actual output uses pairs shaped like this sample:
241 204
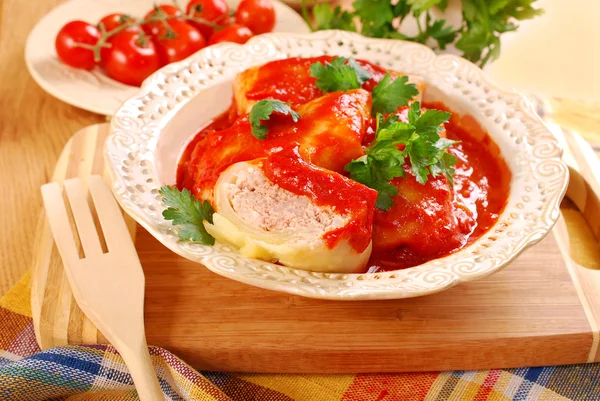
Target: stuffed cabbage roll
289 80
281 209
329 135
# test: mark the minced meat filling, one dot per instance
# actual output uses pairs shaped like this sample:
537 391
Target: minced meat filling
264 204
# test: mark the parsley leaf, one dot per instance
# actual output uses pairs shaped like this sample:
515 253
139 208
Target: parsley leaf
397 132
429 124
327 17
445 166
414 113
375 16
384 160
339 75
388 96
187 212
385 122
420 6
442 33
484 22
382 164
262 111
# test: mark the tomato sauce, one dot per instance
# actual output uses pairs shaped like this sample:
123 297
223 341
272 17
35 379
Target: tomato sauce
329 135
289 80
427 221
290 171
480 193
184 180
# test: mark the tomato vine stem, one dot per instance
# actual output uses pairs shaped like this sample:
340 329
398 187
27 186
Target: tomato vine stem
158 16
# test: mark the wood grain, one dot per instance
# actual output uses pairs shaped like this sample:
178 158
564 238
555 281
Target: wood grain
527 315
519 317
584 191
34 128
106 281
57 318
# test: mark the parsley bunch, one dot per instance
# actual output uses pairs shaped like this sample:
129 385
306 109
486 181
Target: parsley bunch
425 149
478 36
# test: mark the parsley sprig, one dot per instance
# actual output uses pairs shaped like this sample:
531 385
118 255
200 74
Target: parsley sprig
262 111
423 147
478 35
388 95
343 75
339 75
188 213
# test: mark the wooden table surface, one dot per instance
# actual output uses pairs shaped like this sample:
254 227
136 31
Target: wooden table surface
34 127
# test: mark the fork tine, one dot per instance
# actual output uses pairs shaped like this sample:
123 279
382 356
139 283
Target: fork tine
90 240
56 212
111 218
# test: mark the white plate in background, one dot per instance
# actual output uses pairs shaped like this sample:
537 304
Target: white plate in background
92 90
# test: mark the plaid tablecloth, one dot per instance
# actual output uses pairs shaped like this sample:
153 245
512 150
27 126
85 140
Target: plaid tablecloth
95 373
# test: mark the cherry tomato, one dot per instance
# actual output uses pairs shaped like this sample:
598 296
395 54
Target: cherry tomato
66 44
187 40
258 15
216 11
154 28
131 58
114 21
232 33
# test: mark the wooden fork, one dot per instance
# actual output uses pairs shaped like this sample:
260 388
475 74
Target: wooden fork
107 285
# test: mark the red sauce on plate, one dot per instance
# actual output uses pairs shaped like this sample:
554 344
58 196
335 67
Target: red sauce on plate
289 80
290 171
320 137
220 123
480 193
427 221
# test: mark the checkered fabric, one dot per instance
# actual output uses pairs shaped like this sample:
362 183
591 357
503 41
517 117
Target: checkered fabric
95 372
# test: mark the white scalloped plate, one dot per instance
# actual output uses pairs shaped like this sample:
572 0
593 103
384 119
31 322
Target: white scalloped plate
150 130
92 90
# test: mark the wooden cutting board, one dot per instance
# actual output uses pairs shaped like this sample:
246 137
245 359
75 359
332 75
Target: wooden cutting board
543 309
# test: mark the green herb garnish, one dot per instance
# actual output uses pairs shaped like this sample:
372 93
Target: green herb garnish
477 36
262 111
339 75
388 95
423 146
331 18
188 213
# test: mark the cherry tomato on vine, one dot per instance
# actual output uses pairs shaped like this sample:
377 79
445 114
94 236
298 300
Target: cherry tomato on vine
185 41
154 28
216 11
233 33
131 58
66 44
114 21
258 15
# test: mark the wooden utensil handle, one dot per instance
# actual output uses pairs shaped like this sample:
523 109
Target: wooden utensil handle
139 363
585 178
